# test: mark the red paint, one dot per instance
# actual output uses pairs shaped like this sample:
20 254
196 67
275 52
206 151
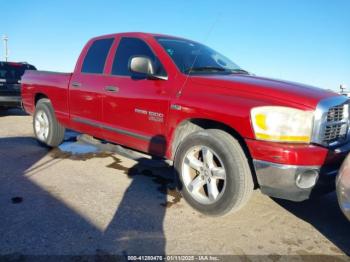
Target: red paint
289 154
227 99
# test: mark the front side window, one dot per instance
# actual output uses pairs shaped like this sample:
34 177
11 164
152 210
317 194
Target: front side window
193 57
95 58
129 47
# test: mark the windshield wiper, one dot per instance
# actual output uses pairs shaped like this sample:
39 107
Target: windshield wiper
239 71
205 68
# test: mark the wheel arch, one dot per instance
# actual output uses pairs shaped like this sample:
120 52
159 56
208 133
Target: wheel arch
189 126
39 96
51 126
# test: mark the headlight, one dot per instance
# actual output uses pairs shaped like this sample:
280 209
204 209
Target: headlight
282 124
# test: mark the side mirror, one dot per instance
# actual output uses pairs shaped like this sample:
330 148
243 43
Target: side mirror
143 65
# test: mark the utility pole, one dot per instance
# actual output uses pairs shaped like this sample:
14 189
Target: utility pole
5 38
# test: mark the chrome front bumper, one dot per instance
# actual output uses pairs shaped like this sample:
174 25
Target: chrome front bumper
286 181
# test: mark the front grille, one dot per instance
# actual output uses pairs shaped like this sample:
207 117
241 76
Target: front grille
335 113
332 133
336 124
331 121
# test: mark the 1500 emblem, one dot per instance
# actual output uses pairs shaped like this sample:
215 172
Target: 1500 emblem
152 116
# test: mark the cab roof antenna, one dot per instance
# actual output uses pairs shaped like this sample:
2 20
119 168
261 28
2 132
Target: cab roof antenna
195 59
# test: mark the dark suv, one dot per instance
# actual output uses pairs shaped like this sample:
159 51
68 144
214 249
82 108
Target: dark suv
10 83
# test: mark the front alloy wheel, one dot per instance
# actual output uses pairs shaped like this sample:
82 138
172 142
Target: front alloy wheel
203 174
213 171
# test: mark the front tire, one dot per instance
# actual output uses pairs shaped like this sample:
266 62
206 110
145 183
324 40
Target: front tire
213 171
46 127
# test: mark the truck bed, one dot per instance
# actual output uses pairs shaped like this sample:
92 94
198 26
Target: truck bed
53 84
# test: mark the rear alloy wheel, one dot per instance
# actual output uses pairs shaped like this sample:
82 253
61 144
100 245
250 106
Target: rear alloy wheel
46 127
41 125
213 171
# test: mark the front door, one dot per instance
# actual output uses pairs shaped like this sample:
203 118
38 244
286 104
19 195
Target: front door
135 108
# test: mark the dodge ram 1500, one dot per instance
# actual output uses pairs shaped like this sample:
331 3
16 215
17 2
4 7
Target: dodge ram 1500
226 130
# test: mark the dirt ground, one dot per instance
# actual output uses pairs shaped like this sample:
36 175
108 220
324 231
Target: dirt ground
53 202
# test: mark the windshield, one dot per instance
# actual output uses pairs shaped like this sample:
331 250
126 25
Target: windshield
13 72
192 57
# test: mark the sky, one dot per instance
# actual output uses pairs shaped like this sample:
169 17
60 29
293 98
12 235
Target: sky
305 41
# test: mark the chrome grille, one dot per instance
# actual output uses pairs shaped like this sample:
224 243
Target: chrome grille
332 133
336 124
331 121
335 113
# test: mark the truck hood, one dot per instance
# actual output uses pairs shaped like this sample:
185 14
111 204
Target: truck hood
280 90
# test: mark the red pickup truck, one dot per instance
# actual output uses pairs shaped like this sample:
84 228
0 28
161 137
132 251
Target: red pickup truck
226 130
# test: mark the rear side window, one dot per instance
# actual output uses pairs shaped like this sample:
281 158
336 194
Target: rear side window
129 47
95 58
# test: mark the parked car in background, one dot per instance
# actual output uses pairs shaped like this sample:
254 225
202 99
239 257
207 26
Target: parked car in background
225 129
10 83
343 187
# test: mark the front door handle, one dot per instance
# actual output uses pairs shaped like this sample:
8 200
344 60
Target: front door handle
113 89
76 84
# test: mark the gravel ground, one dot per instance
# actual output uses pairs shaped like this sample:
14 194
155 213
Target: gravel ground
53 202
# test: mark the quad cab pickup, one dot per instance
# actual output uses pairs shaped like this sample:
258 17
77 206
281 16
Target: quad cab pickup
226 130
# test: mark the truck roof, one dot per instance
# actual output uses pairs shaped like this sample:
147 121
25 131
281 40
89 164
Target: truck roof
135 34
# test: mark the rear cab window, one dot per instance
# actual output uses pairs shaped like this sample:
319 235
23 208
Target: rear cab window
95 58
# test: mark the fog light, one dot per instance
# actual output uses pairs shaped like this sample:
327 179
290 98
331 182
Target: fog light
306 179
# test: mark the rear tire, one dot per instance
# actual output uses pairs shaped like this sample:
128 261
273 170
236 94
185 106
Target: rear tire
47 129
213 171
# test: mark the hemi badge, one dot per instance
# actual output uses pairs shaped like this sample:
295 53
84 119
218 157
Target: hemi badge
175 107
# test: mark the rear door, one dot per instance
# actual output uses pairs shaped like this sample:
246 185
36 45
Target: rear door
87 88
135 108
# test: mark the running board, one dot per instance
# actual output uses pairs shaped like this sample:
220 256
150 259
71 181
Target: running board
142 158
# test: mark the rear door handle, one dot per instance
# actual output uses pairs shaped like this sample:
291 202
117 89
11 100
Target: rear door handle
76 84
113 89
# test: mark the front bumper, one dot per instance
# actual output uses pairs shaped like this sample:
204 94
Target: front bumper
295 172
10 101
290 182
